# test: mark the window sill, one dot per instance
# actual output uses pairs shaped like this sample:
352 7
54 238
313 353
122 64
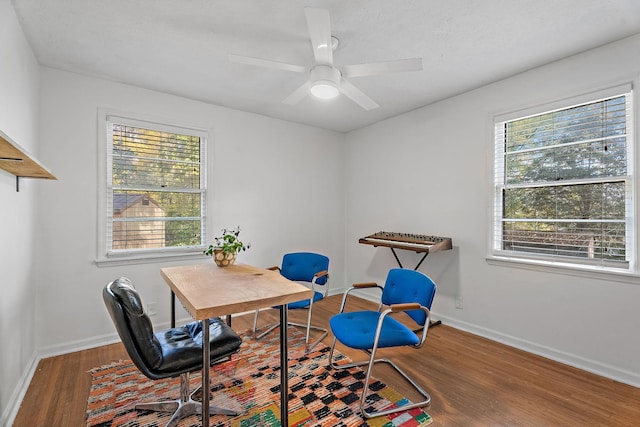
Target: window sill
601 273
147 258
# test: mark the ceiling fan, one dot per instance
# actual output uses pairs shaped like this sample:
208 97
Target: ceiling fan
327 81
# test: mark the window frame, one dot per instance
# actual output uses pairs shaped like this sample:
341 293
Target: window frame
497 256
104 253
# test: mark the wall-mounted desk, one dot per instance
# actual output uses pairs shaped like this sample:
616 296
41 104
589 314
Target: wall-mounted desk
207 290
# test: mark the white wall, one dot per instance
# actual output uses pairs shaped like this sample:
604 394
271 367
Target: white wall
18 119
429 171
299 187
281 182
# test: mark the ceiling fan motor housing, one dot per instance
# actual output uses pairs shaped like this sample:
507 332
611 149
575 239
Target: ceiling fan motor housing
325 81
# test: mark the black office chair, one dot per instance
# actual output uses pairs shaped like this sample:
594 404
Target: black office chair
169 353
312 270
405 291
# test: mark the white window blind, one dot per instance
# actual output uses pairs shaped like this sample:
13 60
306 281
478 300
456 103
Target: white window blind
564 184
155 187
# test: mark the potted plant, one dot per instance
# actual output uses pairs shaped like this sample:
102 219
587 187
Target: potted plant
226 246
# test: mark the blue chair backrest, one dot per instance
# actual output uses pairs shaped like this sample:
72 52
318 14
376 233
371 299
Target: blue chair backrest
404 286
301 266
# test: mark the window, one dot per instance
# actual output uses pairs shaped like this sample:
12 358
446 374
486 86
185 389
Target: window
564 183
155 188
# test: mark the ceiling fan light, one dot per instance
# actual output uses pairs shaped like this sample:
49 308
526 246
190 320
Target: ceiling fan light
324 89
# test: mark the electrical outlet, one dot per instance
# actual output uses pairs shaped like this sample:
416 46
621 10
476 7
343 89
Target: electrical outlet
459 303
152 308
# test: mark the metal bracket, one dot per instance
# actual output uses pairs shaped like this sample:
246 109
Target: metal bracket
400 264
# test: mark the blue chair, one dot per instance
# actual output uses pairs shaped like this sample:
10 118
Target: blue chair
405 291
312 270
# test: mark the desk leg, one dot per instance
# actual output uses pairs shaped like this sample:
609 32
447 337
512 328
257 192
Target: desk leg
173 309
206 351
284 368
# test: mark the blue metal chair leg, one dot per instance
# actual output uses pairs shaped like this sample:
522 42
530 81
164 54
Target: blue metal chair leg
308 344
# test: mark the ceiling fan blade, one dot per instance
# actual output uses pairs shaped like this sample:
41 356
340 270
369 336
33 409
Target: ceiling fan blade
357 96
298 94
258 62
375 68
319 27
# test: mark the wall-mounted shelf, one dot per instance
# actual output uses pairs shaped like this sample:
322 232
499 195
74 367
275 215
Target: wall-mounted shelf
18 162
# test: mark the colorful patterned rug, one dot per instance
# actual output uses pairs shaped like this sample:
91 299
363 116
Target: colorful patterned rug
250 384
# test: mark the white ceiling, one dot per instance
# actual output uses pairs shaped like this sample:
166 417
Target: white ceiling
180 46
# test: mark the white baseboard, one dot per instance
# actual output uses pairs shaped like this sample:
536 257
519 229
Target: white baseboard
576 361
11 411
593 366
13 405
72 346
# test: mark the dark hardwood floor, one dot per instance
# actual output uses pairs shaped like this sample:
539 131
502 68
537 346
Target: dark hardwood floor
473 382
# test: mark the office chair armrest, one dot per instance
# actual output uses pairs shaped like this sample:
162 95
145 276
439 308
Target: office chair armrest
320 274
367 285
364 285
405 307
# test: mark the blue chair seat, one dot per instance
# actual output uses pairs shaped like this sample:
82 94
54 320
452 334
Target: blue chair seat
357 329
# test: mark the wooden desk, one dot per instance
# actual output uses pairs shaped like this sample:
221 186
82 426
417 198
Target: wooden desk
207 290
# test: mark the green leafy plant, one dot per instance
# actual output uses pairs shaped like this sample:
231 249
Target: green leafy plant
228 242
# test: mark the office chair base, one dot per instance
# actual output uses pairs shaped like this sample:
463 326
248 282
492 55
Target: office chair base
370 364
183 407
